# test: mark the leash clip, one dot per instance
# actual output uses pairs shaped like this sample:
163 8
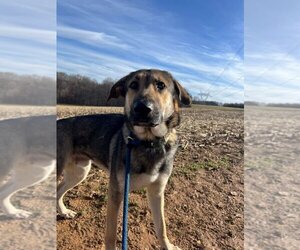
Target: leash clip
132 141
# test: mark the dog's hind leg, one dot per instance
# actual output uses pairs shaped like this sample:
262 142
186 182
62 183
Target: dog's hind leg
72 176
27 174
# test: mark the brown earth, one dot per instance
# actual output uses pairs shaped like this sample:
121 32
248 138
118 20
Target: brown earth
17 111
204 197
272 178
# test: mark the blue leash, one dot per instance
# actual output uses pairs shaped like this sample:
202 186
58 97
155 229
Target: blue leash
131 143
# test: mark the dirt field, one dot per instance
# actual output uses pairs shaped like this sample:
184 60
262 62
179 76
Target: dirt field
204 197
272 204
16 111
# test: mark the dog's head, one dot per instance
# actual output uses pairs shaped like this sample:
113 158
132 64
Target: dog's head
151 101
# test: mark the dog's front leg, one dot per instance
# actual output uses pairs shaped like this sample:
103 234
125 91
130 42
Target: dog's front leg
155 193
113 207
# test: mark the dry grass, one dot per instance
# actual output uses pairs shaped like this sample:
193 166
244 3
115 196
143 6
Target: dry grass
15 111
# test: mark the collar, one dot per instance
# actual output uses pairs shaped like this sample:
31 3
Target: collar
133 141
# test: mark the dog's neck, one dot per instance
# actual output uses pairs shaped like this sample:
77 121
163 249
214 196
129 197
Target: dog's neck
158 143
165 131
134 141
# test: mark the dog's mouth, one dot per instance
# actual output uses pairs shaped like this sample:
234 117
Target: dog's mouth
149 122
145 124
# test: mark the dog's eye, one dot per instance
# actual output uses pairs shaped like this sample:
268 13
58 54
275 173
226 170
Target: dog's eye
134 85
160 85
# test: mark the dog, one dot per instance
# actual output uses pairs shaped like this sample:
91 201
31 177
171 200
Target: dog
151 113
28 156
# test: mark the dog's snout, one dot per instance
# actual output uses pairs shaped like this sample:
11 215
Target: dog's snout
143 107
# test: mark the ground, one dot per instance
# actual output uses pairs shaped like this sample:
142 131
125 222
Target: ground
272 178
204 197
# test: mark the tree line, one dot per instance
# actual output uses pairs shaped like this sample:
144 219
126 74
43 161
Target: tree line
278 105
27 89
82 90
72 89
214 103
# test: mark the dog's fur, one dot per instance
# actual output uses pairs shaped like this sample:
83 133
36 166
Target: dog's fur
27 153
151 113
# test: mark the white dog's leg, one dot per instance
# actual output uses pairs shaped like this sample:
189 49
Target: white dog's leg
72 176
28 174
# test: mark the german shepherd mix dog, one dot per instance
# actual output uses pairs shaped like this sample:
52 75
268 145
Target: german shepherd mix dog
27 157
151 114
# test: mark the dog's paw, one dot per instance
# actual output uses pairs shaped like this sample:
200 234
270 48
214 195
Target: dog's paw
68 214
175 248
171 247
19 214
103 247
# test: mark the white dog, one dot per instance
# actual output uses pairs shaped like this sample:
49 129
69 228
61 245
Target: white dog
27 157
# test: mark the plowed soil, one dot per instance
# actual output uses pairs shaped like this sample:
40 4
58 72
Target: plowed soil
203 199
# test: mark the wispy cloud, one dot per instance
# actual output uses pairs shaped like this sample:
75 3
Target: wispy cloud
47 37
272 77
28 37
272 51
90 37
112 38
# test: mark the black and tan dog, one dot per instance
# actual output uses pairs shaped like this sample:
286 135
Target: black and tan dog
151 113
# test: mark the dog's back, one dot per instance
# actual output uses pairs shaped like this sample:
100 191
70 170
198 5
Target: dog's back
27 153
82 136
25 136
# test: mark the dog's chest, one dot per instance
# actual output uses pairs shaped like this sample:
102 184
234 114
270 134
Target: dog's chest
148 165
148 160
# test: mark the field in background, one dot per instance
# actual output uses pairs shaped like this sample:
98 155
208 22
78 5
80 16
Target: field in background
16 111
204 197
272 142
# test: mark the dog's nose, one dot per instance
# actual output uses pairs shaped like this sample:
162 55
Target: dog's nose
143 107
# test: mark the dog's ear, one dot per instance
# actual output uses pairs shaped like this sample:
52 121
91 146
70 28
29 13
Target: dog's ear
182 94
118 89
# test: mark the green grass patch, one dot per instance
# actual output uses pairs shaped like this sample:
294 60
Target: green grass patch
103 198
141 192
262 162
192 168
132 204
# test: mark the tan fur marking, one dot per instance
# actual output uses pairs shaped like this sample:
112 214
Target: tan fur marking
171 137
176 105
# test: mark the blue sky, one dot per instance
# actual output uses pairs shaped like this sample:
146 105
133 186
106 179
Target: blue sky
28 37
272 51
201 42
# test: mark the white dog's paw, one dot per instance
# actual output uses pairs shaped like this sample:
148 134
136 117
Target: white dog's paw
19 214
68 214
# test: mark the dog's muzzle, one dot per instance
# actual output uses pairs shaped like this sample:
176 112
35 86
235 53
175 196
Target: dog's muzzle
144 113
